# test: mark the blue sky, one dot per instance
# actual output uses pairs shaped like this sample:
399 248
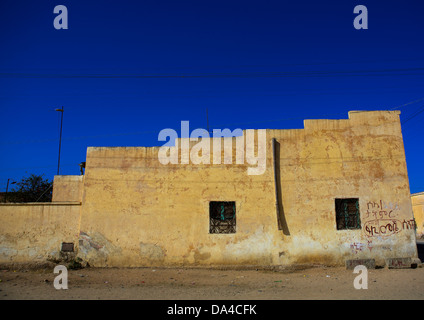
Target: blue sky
251 64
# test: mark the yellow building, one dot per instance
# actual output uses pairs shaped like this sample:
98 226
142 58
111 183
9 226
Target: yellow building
418 209
334 191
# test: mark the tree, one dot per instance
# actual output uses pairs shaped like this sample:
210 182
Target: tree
33 188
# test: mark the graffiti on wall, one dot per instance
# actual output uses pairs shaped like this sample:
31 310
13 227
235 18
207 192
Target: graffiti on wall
381 219
357 247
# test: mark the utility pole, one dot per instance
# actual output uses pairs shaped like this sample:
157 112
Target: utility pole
60 138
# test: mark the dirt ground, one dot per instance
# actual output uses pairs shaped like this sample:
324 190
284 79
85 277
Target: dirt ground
317 282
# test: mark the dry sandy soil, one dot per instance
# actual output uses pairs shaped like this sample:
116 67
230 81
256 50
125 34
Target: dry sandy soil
212 284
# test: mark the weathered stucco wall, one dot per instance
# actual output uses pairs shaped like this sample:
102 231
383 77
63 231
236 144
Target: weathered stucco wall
67 188
362 157
418 209
34 232
139 212
136 211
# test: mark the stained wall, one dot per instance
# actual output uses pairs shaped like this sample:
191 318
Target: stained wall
137 211
418 209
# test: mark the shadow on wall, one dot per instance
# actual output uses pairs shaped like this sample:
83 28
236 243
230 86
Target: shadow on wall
282 223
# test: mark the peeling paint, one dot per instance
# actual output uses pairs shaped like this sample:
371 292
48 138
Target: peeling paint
153 252
96 249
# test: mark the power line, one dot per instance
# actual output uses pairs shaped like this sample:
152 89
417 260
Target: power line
155 131
414 115
322 63
408 103
308 64
207 93
375 72
78 137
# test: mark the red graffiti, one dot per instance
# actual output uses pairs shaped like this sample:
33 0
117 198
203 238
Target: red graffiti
387 227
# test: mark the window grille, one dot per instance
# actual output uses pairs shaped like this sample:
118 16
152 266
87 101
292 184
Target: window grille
222 217
347 214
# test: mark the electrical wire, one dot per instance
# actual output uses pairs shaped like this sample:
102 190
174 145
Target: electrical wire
155 131
376 72
414 115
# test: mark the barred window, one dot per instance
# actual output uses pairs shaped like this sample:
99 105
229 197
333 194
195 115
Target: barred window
347 214
222 217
